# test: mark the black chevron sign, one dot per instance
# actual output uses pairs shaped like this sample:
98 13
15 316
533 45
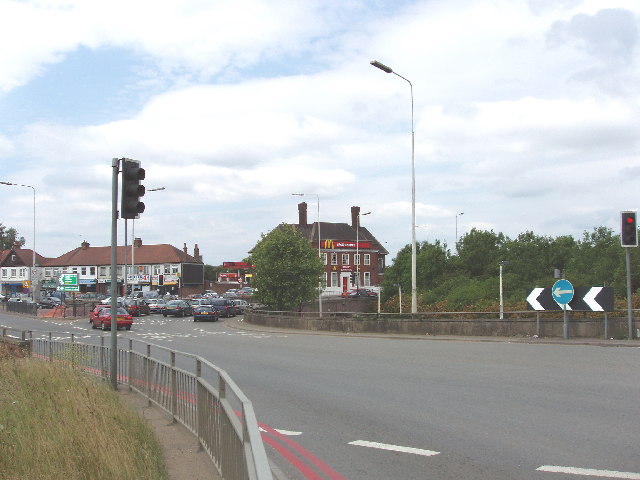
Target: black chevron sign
585 299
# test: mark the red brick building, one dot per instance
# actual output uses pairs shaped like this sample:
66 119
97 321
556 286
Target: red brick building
351 254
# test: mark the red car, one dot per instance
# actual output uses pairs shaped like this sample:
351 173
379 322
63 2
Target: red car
100 317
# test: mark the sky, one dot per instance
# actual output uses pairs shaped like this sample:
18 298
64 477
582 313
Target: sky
525 116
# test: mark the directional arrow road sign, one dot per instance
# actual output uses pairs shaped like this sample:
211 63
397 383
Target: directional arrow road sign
68 279
562 291
585 299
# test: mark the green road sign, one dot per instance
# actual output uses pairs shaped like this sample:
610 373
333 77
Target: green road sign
68 288
68 279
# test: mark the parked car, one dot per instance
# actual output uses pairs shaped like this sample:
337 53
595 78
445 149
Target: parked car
177 308
156 305
231 293
240 305
363 292
224 306
136 307
49 302
204 313
100 317
107 301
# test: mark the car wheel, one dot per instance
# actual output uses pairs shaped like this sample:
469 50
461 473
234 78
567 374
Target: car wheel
128 327
93 325
104 326
164 315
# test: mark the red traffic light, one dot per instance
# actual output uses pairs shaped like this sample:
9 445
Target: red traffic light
628 229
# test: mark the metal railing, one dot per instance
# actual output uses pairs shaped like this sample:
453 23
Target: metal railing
196 393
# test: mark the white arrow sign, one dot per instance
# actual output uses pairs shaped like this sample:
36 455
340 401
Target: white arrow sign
557 292
532 299
590 299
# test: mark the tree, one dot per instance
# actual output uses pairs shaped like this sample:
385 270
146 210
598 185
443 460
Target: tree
479 251
286 269
8 238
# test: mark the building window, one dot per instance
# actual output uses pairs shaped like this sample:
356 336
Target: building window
334 259
92 271
103 271
367 259
356 259
23 273
83 271
324 258
334 278
4 273
157 269
367 279
175 269
74 270
167 268
345 259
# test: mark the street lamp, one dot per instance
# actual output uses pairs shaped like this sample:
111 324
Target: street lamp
457 215
33 271
502 264
319 253
358 248
133 235
414 292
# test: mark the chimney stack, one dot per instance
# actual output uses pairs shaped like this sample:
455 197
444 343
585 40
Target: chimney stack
302 214
84 245
355 211
196 253
184 250
137 242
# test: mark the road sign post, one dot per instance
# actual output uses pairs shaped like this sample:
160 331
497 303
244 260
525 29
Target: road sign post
563 293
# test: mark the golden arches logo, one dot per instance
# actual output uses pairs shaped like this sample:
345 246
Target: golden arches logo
329 244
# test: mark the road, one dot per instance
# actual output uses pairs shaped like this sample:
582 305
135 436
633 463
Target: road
357 407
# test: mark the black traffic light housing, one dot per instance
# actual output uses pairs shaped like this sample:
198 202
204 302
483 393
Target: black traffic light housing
628 229
353 278
132 189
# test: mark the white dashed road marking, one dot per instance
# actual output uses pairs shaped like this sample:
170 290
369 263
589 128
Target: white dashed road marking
590 472
394 448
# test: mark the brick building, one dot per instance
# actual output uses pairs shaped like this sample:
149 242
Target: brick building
346 249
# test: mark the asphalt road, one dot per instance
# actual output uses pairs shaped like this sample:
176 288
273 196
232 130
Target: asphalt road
379 408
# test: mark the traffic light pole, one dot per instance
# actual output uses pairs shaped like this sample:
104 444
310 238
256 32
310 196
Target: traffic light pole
629 303
115 163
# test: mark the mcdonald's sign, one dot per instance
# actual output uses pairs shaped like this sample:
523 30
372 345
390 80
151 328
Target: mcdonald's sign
331 244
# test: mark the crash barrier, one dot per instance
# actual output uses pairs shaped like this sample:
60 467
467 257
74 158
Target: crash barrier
514 324
182 384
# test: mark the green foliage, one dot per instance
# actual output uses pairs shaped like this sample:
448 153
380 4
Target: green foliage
287 269
469 280
8 237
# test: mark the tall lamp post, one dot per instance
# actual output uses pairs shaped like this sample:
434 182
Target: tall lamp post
414 292
133 235
358 248
457 215
319 252
33 271
502 264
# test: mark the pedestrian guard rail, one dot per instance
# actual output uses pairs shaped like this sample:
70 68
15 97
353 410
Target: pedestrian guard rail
196 393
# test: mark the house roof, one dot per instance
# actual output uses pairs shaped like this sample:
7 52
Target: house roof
144 254
339 231
24 255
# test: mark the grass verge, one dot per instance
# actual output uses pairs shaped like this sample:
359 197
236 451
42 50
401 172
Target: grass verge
57 423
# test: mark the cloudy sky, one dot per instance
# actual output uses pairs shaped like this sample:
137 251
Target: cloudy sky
527 116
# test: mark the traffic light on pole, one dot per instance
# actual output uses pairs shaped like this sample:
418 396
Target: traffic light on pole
132 189
628 229
353 278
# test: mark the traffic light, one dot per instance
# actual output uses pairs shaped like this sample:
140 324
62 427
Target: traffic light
161 280
628 229
353 278
132 190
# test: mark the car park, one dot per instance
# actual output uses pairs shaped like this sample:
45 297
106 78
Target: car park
205 313
156 305
177 308
240 305
363 292
224 306
136 307
100 317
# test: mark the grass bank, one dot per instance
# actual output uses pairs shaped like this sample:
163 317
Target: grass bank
59 424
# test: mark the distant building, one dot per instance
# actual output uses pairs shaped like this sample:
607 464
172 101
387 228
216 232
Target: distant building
352 256
16 270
